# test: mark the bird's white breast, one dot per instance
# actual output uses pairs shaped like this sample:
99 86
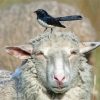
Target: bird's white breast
44 24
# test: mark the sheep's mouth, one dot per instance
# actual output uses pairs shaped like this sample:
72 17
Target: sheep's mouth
59 86
59 89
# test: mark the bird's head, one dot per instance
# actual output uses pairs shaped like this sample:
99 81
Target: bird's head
41 12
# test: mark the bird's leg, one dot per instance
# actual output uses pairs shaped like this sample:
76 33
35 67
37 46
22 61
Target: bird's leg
51 30
45 29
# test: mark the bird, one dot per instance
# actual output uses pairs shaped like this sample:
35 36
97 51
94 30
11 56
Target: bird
49 21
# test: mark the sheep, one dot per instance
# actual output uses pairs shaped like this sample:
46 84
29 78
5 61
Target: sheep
54 68
7 86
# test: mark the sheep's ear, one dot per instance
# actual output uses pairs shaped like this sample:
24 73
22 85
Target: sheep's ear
86 47
21 52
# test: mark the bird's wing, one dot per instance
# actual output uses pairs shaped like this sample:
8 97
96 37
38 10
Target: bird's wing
52 21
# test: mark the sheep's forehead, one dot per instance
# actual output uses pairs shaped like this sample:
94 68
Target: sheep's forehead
60 42
57 41
65 40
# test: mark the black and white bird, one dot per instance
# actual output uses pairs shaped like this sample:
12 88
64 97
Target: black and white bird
48 21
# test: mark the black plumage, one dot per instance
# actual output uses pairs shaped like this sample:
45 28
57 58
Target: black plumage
48 21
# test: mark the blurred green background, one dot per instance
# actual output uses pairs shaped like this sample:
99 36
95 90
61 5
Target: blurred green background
90 8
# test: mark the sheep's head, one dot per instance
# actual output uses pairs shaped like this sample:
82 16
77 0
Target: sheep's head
57 60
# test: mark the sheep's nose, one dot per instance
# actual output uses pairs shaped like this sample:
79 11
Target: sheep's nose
59 79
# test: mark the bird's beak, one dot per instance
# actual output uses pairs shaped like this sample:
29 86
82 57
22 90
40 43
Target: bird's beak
34 12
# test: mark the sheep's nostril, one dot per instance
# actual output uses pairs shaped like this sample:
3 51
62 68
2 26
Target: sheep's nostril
59 78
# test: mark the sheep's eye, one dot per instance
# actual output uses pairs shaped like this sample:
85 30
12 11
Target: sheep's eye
40 55
74 52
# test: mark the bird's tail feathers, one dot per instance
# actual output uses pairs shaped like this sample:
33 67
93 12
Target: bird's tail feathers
69 18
